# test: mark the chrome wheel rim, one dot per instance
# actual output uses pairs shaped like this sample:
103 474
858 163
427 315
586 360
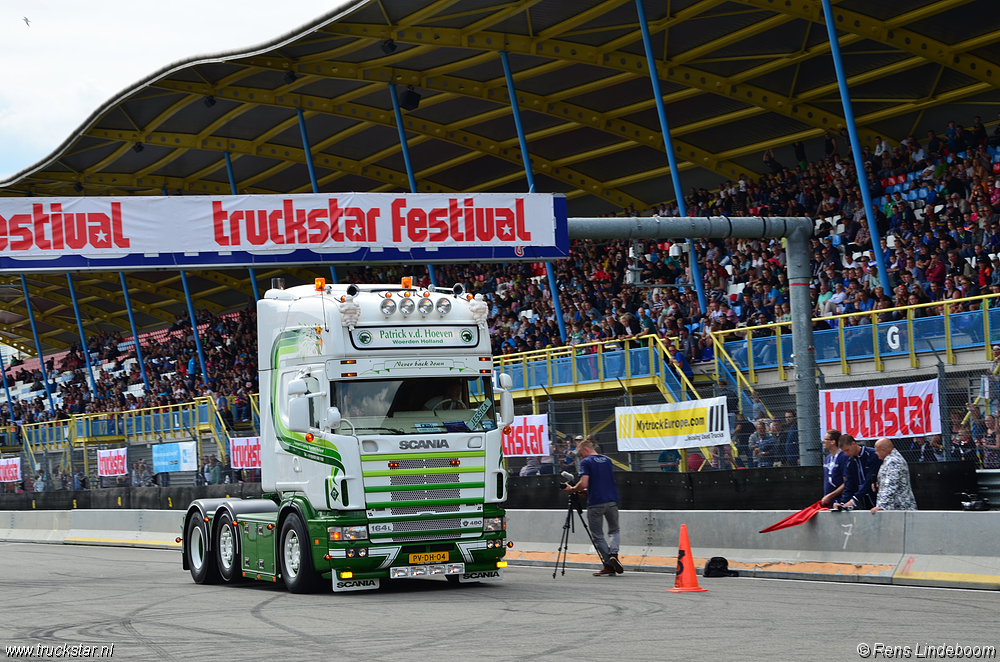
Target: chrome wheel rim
292 554
227 547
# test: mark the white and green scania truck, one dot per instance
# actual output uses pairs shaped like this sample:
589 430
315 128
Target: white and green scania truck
381 455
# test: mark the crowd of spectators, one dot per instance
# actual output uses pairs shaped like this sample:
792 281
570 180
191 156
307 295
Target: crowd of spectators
172 368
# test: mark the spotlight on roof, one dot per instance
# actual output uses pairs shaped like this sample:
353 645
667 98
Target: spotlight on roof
290 77
138 147
209 101
78 187
389 46
409 100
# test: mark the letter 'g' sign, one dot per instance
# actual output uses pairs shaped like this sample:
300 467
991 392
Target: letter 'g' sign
529 436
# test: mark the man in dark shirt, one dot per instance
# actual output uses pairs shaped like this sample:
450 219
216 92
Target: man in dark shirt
597 478
862 469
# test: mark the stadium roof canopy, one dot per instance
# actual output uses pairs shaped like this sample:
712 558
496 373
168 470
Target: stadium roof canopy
738 77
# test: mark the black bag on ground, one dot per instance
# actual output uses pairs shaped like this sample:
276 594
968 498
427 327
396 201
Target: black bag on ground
718 566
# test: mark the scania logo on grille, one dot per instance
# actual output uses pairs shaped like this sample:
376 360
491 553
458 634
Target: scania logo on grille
423 443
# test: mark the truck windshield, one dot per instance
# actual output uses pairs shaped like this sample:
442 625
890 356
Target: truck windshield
416 405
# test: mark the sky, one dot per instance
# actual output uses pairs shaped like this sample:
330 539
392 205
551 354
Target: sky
76 55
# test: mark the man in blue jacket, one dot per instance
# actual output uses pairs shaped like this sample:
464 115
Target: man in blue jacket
862 469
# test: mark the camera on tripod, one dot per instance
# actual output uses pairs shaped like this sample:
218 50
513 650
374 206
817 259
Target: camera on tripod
567 480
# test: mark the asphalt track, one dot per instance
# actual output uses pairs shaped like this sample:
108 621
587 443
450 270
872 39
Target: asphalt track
141 600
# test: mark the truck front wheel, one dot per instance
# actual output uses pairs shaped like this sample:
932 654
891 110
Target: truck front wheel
295 554
201 561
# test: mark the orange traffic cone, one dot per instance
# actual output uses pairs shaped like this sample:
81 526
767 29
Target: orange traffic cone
687 578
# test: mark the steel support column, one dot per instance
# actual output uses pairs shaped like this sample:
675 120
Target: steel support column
135 332
530 176
6 390
668 145
852 132
405 149
83 337
194 326
38 345
797 231
229 171
253 284
308 152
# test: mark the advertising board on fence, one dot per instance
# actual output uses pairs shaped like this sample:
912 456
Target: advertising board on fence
244 452
113 462
529 437
108 233
897 410
10 470
181 456
679 425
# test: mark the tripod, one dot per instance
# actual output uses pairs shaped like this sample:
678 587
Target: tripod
574 504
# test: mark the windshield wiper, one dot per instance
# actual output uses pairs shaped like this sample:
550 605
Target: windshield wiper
392 430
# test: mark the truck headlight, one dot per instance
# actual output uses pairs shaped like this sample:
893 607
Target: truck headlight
406 306
388 307
342 533
426 306
443 306
494 524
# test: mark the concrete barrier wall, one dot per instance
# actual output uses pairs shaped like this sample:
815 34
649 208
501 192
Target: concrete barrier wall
930 548
933 548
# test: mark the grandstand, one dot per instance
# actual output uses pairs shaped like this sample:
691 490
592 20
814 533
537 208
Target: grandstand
748 85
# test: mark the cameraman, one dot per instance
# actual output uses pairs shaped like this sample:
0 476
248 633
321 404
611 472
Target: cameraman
597 479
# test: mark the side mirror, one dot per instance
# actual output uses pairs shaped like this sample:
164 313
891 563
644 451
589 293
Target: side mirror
298 413
333 418
298 387
506 400
506 409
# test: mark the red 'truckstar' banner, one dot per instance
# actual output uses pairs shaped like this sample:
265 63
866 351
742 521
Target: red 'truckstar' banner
30 227
529 436
898 410
245 452
10 470
112 462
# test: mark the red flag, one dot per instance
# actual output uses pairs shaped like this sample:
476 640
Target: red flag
795 519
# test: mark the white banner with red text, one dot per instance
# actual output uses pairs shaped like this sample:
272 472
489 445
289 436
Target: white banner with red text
898 410
113 462
108 232
10 470
529 437
244 452
691 424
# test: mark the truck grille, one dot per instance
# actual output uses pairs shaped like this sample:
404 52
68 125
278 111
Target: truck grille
417 495
424 479
418 510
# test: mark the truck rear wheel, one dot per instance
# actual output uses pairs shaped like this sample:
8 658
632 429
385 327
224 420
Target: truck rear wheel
200 560
295 554
227 549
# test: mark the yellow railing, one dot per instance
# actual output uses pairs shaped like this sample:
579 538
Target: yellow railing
218 429
870 317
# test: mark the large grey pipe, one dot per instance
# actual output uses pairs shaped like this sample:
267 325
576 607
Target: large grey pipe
797 232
